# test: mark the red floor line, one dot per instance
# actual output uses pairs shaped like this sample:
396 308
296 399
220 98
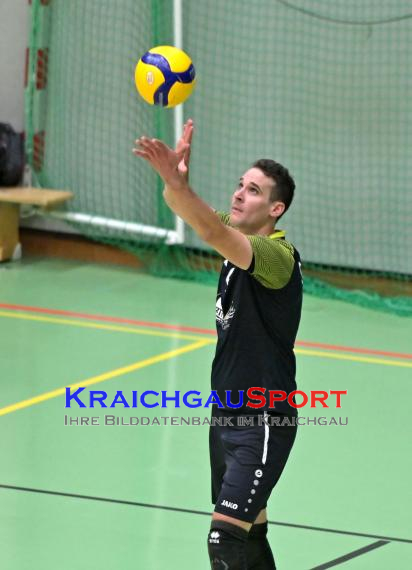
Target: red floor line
182 328
105 318
353 349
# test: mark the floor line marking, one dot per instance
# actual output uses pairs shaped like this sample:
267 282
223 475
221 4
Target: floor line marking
149 324
129 330
103 377
80 324
353 349
350 555
353 358
122 320
195 512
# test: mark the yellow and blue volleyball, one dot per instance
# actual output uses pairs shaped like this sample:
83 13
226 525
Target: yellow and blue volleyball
165 76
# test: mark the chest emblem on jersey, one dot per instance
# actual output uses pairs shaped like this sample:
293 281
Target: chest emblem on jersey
221 318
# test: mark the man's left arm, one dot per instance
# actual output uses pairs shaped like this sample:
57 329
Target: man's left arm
227 241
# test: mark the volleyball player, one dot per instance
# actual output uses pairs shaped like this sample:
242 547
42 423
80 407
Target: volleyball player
257 316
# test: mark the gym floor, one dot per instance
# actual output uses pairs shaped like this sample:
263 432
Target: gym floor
137 496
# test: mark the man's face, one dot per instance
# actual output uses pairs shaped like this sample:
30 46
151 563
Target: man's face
252 209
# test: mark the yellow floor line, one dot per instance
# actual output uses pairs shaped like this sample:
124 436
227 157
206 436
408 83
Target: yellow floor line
106 376
130 330
353 358
115 328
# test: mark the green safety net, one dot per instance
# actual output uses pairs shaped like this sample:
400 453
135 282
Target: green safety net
322 86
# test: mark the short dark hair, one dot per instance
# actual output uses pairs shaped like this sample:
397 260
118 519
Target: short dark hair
284 187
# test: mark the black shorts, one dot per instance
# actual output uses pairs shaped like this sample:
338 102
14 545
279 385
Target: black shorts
247 461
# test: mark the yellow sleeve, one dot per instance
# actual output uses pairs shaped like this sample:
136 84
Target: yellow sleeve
273 261
223 217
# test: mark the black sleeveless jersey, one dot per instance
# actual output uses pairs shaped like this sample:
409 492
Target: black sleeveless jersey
256 328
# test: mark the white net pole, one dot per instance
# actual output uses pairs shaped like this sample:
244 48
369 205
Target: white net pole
178 110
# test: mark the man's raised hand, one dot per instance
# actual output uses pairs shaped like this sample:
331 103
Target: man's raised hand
165 160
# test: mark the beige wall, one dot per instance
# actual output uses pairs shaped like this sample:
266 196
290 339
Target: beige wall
13 43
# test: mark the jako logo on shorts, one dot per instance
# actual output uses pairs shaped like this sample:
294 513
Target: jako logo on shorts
228 504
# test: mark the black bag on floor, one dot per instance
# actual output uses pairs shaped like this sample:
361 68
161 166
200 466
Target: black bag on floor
11 156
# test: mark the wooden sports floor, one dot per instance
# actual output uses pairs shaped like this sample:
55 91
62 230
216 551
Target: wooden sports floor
137 496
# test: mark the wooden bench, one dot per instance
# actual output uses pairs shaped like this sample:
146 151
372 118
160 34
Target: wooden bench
10 201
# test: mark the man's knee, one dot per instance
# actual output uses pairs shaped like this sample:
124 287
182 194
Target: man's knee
226 544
